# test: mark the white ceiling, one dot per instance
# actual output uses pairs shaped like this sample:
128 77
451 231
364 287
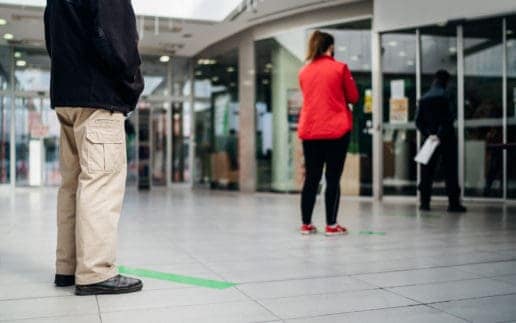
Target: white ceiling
164 35
191 9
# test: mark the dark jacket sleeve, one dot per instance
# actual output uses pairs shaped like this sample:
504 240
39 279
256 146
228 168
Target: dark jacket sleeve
446 126
115 37
420 120
48 41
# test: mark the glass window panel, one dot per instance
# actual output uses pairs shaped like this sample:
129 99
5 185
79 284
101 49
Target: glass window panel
439 51
483 109
511 106
217 121
399 100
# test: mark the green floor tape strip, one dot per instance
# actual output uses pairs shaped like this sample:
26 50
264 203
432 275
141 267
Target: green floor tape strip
372 233
215 284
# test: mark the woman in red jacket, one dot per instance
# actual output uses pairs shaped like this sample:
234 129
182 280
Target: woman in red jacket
324 127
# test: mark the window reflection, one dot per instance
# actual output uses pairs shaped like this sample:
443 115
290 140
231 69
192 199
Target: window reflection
399 97
217 121
483 110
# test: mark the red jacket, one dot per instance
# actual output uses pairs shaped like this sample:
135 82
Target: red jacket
327 87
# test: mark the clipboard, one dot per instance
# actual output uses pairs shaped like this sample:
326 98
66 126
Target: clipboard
427 151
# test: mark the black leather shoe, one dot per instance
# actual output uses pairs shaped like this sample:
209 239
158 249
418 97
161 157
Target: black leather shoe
424 207
116 285
64 280
457 209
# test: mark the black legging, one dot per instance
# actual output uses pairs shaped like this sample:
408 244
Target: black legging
318 153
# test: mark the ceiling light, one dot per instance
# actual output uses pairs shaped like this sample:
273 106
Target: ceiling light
8 36
268 65
215 79
230 69
21 63
17 54
402 54
164 59
365 66
354 57
393 43
453 49
204 61
510 32
342 48
3 22
410 63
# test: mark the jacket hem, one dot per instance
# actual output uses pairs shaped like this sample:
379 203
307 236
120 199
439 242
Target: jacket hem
105 106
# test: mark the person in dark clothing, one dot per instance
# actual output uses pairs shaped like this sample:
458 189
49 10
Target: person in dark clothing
95 82
435 119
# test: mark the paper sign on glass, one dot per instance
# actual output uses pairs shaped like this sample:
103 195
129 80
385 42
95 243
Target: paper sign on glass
426 152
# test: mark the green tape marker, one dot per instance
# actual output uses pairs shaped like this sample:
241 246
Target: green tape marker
187 280
372 233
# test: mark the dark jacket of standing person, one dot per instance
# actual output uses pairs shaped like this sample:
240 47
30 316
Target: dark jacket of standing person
435 119
93 45
435 115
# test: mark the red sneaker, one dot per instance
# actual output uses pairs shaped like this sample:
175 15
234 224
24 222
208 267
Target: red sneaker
308 229
336 230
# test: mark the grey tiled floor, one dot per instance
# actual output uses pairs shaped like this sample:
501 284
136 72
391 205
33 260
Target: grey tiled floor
434 267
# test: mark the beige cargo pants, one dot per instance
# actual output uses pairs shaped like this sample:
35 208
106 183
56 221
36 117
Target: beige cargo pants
94 168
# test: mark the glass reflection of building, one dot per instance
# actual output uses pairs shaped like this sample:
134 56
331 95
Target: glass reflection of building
278 102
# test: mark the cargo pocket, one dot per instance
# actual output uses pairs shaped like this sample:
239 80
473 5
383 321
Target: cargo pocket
105 149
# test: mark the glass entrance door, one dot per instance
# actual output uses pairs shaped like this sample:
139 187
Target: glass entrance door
37 142
510 32
483 109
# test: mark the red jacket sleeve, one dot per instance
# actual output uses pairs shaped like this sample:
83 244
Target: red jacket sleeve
350 87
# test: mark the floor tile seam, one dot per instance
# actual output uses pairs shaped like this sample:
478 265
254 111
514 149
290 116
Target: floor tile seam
352 312
444 311
500 278
451 314
331 293
72 295
47 317
342 275
258 303
60 315
431 266
317 294
426 283
469 298
98 308
481 274
379 309
171 306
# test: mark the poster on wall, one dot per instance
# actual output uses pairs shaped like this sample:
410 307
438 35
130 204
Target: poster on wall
294 105
398 103
368 102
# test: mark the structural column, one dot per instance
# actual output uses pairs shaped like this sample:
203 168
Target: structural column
377 116
247 127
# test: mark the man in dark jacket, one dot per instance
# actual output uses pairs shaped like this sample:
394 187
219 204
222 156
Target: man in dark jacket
435 119
95 82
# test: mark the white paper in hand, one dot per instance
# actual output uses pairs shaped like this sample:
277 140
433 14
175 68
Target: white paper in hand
426 152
